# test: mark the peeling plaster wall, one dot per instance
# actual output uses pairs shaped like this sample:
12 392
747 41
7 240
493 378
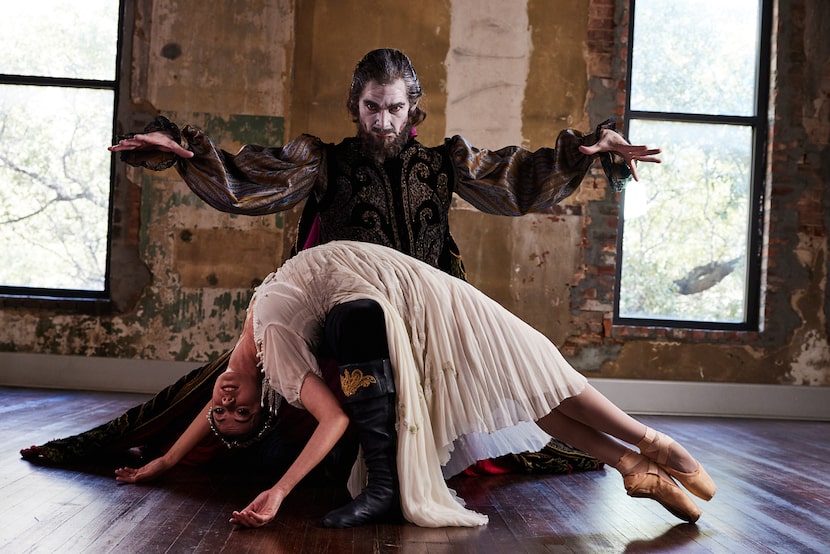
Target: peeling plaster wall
482 33
220 57
267 70
226 70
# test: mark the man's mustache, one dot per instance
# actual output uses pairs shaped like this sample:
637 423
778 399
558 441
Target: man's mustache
387 131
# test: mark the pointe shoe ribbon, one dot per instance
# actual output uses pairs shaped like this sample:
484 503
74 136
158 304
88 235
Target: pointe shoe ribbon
657 446
664 490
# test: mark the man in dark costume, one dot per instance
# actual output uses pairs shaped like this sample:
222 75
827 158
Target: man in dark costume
381 186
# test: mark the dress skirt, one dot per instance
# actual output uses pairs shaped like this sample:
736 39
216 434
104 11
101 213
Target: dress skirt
469 374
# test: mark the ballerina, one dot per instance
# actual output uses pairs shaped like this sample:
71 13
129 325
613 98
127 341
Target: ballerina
459 364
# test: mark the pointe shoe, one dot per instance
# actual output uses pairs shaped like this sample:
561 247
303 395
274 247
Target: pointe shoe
656 487
657 446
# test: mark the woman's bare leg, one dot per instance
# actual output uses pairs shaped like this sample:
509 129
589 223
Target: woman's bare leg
593 409
596 443
642 477
579 435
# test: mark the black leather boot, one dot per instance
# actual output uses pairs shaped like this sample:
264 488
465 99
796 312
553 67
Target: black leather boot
369 389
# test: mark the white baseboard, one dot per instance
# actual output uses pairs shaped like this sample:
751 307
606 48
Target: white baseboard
89 373
717 399
633 396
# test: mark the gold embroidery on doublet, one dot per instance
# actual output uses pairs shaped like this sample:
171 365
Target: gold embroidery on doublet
403 204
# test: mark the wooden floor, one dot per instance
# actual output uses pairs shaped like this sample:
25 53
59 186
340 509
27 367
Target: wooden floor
773 496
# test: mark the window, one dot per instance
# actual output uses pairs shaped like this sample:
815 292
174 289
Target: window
58 76
690 229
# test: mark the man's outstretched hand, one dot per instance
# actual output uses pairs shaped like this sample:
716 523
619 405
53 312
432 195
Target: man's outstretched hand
151 141
611 141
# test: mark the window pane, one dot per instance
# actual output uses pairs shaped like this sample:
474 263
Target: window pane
59 38
54 186
686 224
695 56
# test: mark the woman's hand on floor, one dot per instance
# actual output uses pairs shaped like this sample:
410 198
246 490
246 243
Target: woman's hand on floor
147 472
261 511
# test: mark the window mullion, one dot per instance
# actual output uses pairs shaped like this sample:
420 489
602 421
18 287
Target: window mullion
55 81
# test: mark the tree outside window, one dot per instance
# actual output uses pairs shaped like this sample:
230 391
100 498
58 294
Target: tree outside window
689 253
58 61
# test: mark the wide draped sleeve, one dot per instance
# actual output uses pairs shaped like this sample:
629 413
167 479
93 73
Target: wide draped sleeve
257 180
516 181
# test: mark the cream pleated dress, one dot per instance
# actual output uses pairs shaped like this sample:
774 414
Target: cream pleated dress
469 374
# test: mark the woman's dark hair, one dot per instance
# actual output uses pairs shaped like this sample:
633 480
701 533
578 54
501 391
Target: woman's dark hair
385 66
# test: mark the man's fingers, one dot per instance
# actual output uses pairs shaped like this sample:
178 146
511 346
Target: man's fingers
649 159
644 153
638 152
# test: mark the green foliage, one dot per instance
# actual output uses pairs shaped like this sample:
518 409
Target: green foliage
54 166
695 56
60 38
691 210
54 201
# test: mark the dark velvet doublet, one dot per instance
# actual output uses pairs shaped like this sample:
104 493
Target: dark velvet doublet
403 203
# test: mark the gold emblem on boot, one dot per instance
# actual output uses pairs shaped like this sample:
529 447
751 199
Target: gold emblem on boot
351 381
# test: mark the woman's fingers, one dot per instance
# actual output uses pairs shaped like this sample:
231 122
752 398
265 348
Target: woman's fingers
126 474
248 518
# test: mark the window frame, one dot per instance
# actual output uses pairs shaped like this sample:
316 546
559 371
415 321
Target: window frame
759 123
76 299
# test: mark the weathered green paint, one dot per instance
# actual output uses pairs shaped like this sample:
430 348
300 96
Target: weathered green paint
231 302
241 129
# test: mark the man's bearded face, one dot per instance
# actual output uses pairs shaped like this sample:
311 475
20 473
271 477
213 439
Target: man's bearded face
383 123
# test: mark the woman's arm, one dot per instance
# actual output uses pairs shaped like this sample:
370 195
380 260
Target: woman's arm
195 432
332 423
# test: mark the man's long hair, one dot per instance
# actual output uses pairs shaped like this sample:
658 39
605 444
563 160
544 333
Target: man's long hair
384 66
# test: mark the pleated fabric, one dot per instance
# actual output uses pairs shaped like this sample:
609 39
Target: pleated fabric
467 371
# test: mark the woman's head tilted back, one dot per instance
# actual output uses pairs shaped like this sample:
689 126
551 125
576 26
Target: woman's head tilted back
240 414
236 414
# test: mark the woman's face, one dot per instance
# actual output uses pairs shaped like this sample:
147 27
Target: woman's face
235 403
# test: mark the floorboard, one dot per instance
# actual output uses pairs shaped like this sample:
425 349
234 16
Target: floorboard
773 497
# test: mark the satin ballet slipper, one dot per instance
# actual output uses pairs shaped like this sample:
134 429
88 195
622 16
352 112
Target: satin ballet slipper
651 484
657 446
